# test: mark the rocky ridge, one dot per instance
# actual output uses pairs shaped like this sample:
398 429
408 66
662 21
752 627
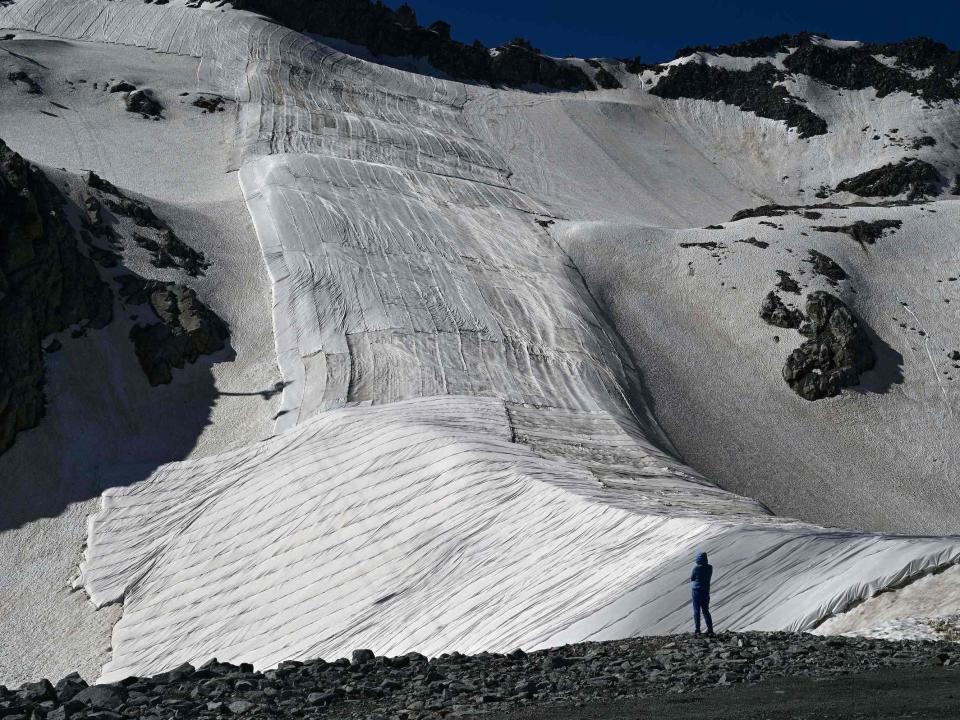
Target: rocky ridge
413 687
396 33
46 285
918 66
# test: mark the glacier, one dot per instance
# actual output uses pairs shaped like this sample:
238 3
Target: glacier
464 457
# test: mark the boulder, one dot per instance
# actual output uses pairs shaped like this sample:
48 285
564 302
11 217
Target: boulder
837 352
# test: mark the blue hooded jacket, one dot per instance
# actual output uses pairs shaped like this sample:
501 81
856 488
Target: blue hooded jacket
700 577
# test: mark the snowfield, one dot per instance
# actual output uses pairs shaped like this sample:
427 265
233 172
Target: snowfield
513 407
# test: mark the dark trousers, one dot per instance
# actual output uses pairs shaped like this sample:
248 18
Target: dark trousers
701 604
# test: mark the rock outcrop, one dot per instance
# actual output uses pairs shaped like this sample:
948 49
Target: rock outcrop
46 286
155 235
773 311
185 329
916 178
837 352
827 267
856 67
396 33
863 231
755 90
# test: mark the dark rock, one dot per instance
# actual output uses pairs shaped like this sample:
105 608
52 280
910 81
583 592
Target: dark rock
755 47
46 285
856 67
787 283
101 696
187 329
69 686
837 352
19 76
955 190
36 692
708 245
167 249
825 265
756 243
143 102
361 657
954 355
238 707
864 232
209 103
925 141
753 90
774 312
605 79
851 68
395 33
917 178
122 87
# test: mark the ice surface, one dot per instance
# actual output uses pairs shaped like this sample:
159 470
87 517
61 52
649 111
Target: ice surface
466 457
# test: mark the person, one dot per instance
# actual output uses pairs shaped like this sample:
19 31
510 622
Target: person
700 592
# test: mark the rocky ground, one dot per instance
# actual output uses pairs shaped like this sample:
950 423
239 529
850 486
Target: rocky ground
519 683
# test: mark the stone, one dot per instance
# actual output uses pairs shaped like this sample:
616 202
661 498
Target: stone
238 707
69 686
101 696
143 102
826 266
36 692
773 311
361 657
837 352
787 283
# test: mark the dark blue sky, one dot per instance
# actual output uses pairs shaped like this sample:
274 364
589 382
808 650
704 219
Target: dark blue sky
655 30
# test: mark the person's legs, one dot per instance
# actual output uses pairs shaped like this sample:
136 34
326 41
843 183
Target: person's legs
705 609
695 601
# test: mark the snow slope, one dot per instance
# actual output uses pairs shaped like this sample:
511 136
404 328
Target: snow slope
466 455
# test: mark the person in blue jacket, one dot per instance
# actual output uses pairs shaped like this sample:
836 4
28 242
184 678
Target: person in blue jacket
700 591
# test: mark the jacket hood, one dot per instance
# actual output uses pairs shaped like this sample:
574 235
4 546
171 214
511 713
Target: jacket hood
702 559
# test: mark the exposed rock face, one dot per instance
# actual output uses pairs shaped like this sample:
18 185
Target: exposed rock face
836 353
46 285
864 232
852 68
917 178
167 249
186 329
774 312
143 102
787 283
19 76
605 79
827 267
753 90
856 67
396 33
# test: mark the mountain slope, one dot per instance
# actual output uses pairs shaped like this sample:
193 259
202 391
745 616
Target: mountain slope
467 451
